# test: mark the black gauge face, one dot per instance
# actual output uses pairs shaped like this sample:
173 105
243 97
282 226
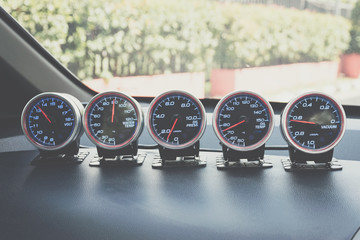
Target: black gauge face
113 120
176 120
49 121
243 121
313 123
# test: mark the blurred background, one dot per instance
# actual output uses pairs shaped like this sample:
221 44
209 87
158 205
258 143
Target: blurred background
278 48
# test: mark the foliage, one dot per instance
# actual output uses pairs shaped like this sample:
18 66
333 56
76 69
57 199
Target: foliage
354 44
141 37
255 36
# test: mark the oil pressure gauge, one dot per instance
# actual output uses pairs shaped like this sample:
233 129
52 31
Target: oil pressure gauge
113 121
313 124
176 120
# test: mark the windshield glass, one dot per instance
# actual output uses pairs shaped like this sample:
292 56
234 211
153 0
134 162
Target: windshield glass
277 48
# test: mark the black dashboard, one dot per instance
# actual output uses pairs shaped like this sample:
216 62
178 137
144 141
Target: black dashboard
76 201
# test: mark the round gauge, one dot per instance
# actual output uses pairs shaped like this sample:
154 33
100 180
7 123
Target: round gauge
113 120
52 121
243 120
313 123
176 119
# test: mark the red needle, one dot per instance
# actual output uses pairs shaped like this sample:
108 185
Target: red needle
302 121
234 125
44 114
171 129
113 110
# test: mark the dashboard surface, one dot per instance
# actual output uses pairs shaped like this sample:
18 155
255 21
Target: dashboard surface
76 201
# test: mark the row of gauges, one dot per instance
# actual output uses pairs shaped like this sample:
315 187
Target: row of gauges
312 123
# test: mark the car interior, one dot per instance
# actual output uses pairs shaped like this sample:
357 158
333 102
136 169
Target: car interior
164 194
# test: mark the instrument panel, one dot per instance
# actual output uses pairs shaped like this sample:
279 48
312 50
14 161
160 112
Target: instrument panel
176 119
113 120
243 120
52 121
312 124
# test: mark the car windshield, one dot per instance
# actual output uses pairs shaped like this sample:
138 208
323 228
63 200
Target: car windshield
277 48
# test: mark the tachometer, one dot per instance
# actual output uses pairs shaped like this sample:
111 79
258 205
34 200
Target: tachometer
52 121
313 123
243 120
176 120
113 120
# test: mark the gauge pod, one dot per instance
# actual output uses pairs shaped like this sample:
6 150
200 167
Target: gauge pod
176 120
113 120
313 123
52 121
243 120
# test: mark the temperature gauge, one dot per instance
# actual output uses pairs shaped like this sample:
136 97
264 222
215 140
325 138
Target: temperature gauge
243 121
113 120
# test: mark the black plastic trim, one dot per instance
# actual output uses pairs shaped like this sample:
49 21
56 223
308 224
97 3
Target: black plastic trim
26 36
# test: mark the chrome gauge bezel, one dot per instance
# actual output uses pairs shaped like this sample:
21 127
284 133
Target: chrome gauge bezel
139 114
74 105
158 140
224 101
284 122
